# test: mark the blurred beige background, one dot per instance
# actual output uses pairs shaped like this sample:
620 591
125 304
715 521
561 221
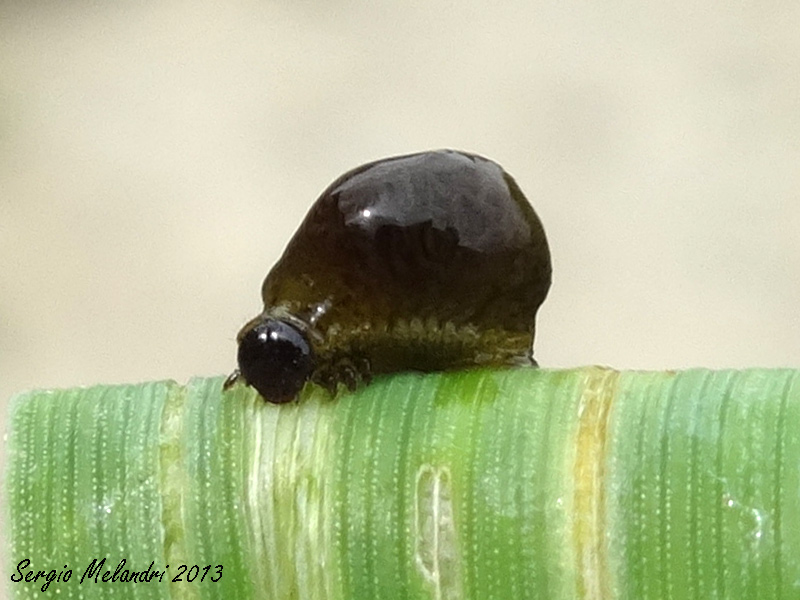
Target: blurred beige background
155 158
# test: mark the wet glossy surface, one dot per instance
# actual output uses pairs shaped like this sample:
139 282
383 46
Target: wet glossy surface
429 261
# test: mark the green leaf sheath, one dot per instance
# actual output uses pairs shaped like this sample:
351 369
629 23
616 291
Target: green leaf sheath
507 484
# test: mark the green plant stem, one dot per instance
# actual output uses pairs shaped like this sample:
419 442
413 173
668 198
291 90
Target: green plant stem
521 483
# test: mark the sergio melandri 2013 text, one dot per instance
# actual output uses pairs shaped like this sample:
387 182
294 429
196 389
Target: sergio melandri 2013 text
97 573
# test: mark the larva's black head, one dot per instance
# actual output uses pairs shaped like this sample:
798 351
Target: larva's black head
276 358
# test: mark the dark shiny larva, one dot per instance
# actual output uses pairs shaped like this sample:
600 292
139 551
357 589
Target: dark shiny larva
427 262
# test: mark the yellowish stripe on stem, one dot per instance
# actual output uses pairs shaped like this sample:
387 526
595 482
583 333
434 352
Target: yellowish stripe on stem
589 526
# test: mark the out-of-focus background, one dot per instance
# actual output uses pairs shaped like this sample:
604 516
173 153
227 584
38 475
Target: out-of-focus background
155 158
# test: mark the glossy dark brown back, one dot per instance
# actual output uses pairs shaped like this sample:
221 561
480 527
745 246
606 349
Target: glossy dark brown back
438 235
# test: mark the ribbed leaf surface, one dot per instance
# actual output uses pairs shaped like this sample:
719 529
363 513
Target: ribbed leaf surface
522 483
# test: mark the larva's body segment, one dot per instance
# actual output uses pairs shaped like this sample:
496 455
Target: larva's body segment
427 262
